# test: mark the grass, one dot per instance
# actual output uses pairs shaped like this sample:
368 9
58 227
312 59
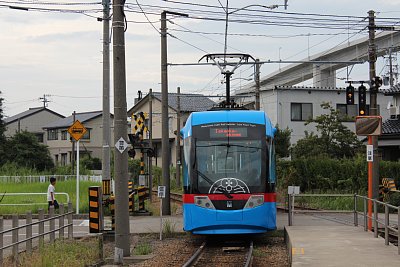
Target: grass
61 253
143 249
326 203
61 186
169 229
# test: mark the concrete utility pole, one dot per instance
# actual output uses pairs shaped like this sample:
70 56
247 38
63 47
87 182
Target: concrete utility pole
165 148
257 80
165 151
106 173
178 139
151 142
122 247
373 102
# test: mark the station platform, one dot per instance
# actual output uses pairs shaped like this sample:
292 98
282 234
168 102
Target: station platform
312 241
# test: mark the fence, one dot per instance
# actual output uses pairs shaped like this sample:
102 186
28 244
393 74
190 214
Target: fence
374 218
15 242
46 178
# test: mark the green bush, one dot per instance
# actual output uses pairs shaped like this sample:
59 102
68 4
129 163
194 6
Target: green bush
327 174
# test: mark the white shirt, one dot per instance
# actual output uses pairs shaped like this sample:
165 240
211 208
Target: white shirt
50 189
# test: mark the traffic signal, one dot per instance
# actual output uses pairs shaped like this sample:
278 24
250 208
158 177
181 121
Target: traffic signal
362 98
350 95
376 82
132 153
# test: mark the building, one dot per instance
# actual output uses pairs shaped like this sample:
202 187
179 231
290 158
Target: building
292 106
389 141
31 121
188 103
59 141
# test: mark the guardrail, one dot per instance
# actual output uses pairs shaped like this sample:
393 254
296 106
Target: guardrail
41 230
28 194
364 213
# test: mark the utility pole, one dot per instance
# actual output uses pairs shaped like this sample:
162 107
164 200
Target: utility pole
106 173
257 80
151 143
165 152
373 103
390 68
73 145
44 100
178 139
165 148
122 241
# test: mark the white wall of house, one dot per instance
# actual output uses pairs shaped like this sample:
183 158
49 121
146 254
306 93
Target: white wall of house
61 148
277 103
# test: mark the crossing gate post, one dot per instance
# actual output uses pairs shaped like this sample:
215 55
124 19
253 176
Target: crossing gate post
95 209
112 211
131 192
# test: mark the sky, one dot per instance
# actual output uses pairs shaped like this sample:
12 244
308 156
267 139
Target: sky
46 50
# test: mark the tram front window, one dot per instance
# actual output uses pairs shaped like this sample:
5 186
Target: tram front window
236 166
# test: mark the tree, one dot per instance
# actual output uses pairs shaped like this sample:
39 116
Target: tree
334 140
282 142
2 133
25 150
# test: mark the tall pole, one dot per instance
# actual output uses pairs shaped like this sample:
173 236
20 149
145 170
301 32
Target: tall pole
151 142
122 240
106 173
373 101
178 139
390 68
166 208
228 75
77 177
257 80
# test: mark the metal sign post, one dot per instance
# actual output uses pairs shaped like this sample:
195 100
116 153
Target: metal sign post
77 177
161 195
292 191
76 131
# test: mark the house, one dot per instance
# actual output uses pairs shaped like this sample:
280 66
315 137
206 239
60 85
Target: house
389 141
31 121
188 103
60 144
292 106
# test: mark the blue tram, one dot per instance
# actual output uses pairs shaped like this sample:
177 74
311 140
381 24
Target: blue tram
229 173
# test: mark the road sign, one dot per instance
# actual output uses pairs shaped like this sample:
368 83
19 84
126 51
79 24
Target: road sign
161 191
293 190
121 145
77 130
368 125
370 153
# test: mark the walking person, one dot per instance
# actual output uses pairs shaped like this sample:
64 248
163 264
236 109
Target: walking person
51 190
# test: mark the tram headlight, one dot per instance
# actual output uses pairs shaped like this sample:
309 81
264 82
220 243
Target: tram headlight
254 201
204 202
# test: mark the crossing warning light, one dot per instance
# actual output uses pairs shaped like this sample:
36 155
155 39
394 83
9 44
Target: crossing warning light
350 95
362 100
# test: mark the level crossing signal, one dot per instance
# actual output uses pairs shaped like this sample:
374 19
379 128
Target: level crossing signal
362 98
350 95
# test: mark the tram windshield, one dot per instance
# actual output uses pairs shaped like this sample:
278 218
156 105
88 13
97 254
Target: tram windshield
230 167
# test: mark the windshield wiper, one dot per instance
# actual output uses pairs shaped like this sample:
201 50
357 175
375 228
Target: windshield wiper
219 188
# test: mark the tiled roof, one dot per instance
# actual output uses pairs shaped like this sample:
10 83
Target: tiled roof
28 113
66 122
391 127
189 102
395 89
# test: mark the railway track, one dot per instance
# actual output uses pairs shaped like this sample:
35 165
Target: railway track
222 253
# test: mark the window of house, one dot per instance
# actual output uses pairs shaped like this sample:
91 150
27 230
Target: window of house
39 137
64 159
52 134
347 112
86 136
64 135
301 111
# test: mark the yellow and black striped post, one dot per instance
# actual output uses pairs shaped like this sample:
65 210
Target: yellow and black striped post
106 186
142 194
95 209
112 211
131 192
